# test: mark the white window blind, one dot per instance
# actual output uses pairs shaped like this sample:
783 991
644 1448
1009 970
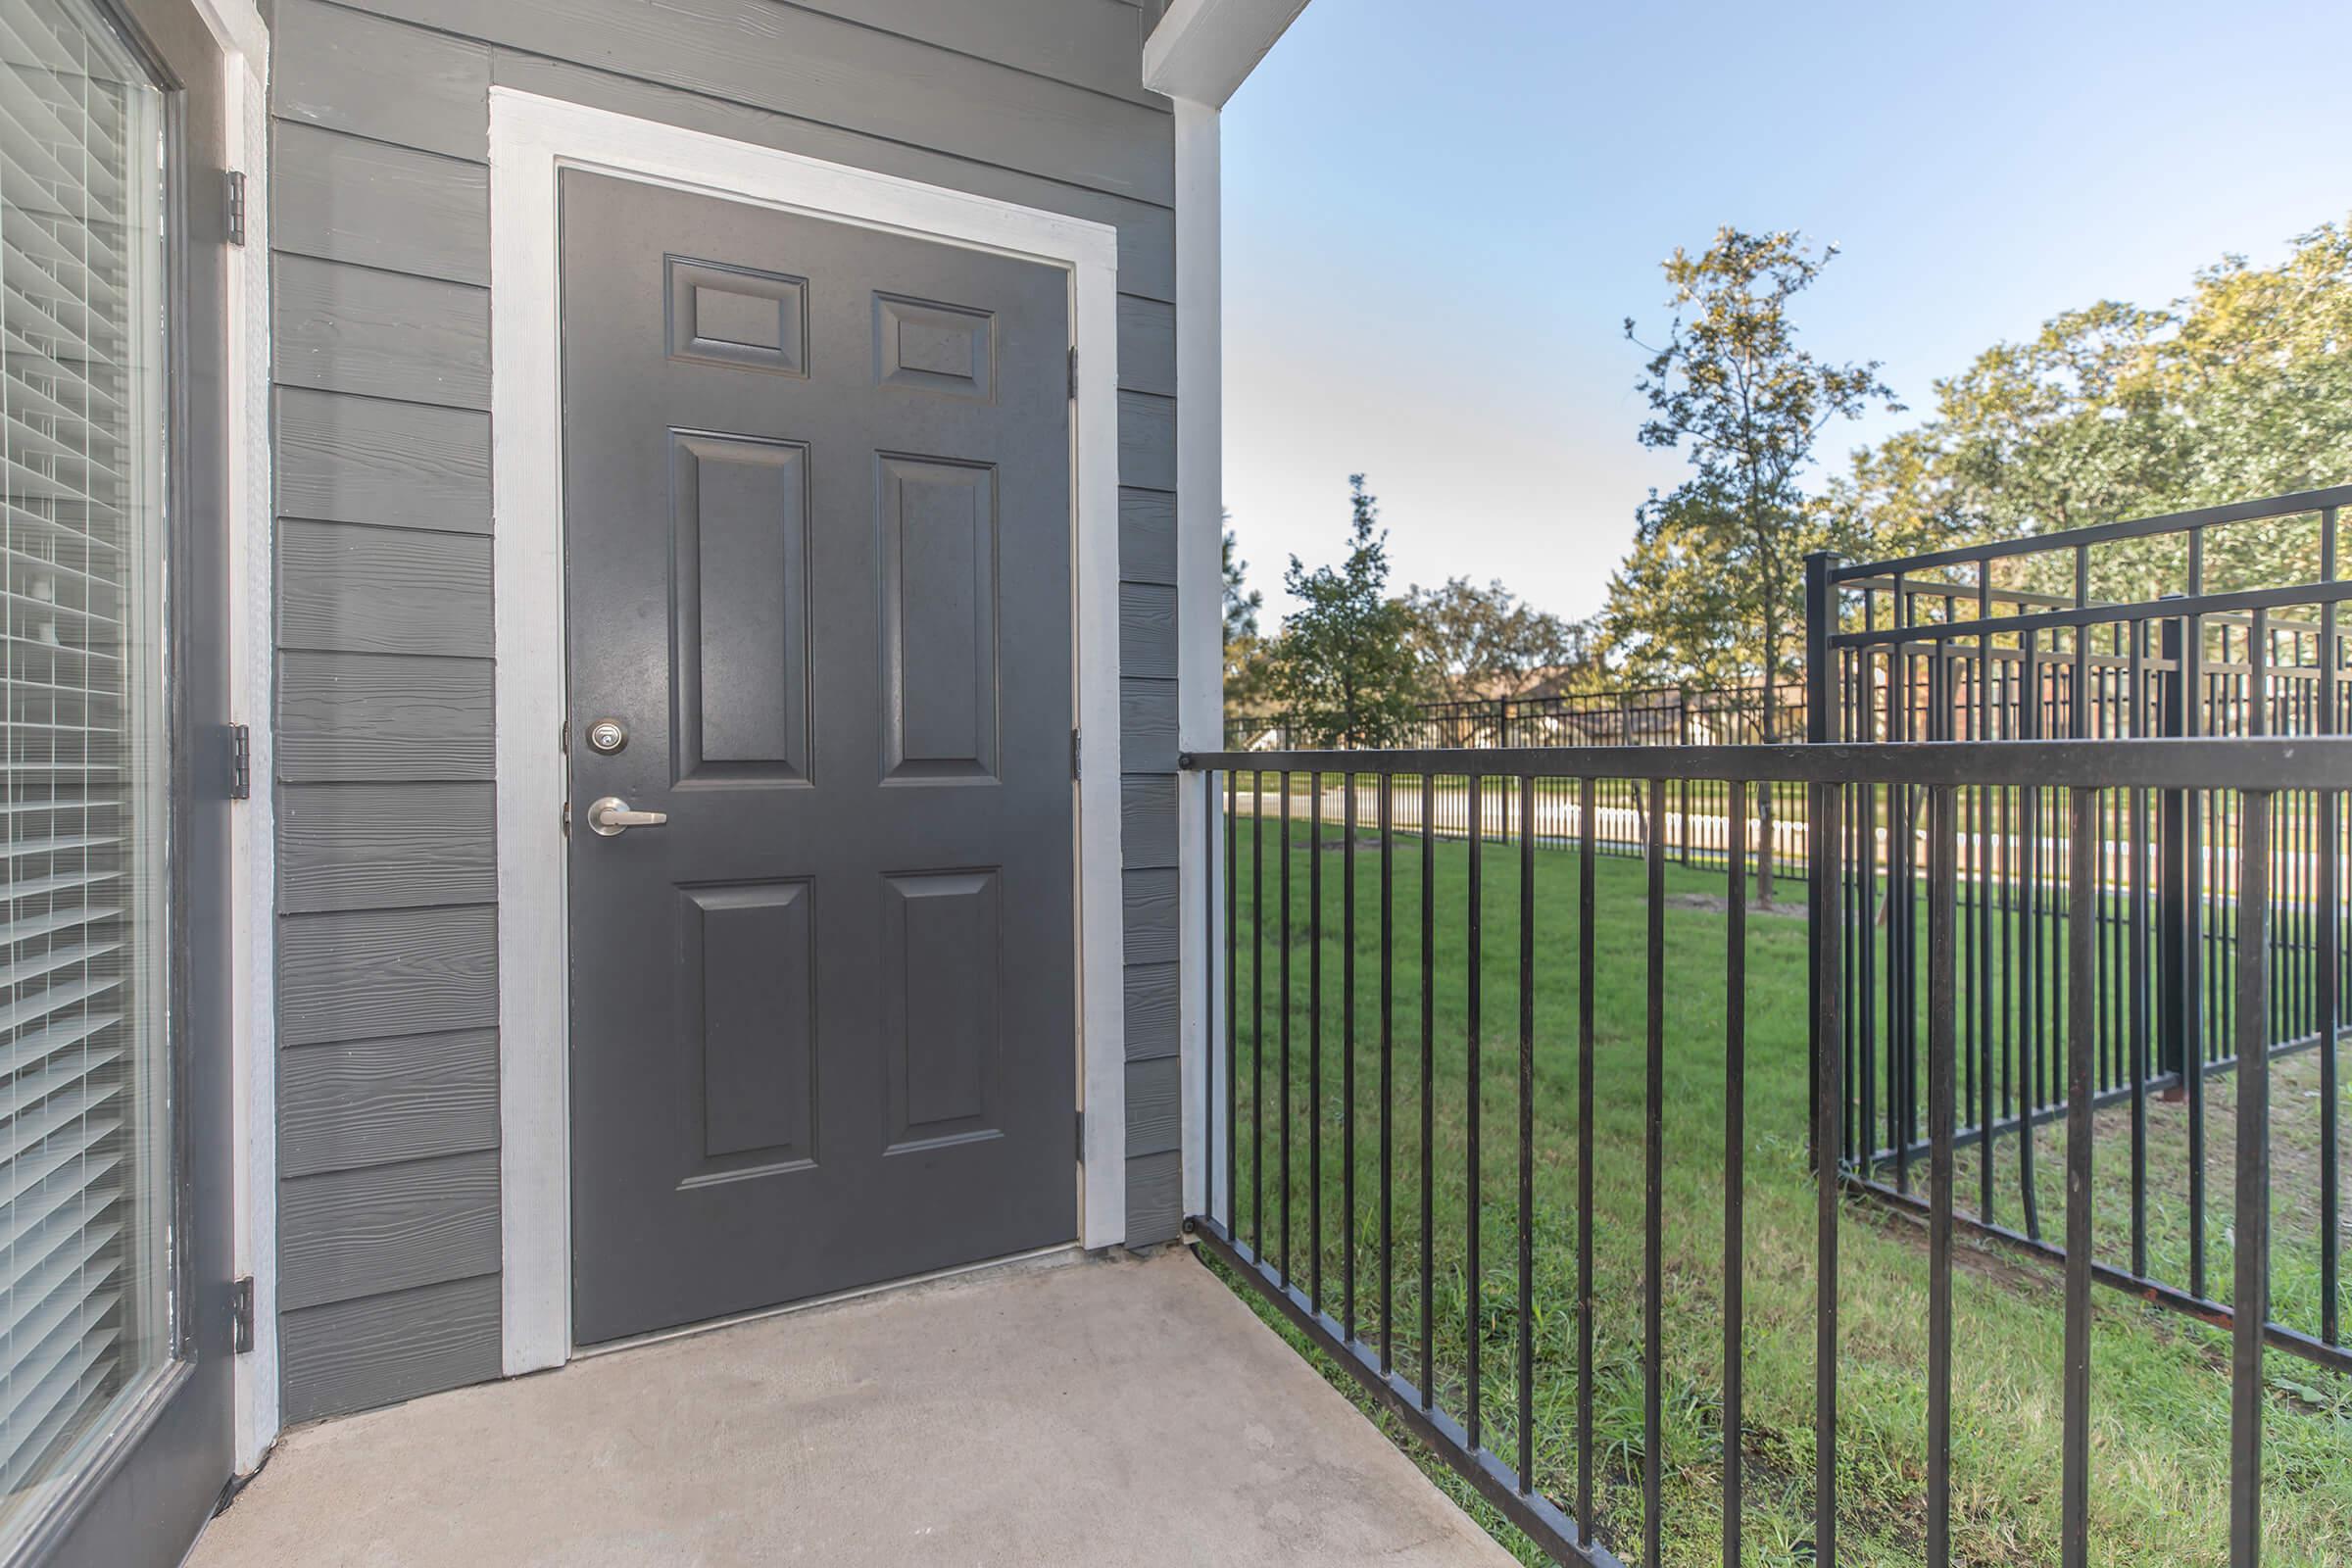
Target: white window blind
84 1167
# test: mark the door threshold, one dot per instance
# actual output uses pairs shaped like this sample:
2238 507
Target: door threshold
1060 1255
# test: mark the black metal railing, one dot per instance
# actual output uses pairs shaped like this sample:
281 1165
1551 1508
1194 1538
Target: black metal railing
1631 716
1698 822
1409 1245
2109 635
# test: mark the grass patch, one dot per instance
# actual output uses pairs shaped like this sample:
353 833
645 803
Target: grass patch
2160 1383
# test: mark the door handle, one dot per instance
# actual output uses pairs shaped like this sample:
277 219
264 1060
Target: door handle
612 816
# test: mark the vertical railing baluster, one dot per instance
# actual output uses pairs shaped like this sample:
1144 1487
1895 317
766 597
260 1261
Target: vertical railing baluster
2136 1024
2250 1300
1233 992
1348 1058
1829 1160
1734 1172
1315 1038
2030 958
1527 1136
2329 966
1429 1070
1281 1141
2195 722
1257 1011
1387 1098
1942 915
1472 1081
1654 1184
2081 1046
1587 851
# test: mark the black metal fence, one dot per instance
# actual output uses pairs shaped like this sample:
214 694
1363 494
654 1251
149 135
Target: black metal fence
2219 623
1700 822
1365 1263
1633 716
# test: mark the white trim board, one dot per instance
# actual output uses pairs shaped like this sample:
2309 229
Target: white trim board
1199 631
1204 50
531 137
253 845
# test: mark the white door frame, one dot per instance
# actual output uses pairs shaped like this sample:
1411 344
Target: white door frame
532 138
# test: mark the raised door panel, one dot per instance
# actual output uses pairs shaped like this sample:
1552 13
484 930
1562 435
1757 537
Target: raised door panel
941 1028
939 619
739 510
749 989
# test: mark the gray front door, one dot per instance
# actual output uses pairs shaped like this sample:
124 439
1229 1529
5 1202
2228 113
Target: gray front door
817 556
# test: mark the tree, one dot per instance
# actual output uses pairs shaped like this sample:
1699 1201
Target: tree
2242 388
1247 653
1732 391
1484 642
1344 669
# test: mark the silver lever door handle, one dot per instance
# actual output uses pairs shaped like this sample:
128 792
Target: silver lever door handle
612 816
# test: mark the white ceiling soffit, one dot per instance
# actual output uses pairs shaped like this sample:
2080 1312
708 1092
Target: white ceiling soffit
1203 49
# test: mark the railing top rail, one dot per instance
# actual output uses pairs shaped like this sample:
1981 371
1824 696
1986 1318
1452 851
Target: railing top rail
2255 511
2242 601
2254 763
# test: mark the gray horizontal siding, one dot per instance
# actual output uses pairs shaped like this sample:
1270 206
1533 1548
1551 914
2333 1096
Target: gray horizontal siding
378 1350
1088 43
1151 1114
1146 346
1154 1197
366 717
1148 726
343 329
363 1102
821 67
385 846
346 70
1146 536
1148 630
387 869
348 589
1152 1010
381 1228
364 460
1151 916
370 973
1147 440
348 199
1147 821
1147 230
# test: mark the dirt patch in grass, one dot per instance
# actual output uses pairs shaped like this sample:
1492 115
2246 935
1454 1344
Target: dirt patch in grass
1717 904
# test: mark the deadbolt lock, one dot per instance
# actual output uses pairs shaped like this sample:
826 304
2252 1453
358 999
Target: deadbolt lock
608 735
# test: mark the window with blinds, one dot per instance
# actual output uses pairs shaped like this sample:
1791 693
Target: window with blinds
85 1069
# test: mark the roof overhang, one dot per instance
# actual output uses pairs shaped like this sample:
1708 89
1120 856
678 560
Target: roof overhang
1203 49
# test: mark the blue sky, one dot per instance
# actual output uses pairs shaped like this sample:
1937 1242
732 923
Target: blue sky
1438 217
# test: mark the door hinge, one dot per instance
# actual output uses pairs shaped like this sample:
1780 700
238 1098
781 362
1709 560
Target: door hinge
240 763
240 1313
236 207
1073 371
1074 754
1082 1137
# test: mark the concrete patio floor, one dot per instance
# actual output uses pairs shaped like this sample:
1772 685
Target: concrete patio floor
1097 1412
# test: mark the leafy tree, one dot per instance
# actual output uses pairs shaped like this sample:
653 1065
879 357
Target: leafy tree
1713 587
2242 388
1732 391
1344 671
1482 643
1247 653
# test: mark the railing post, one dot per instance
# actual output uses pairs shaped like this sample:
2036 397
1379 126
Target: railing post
2173 995
1821 854
1682 736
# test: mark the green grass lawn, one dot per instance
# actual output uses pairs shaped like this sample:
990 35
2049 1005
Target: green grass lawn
2160 1381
